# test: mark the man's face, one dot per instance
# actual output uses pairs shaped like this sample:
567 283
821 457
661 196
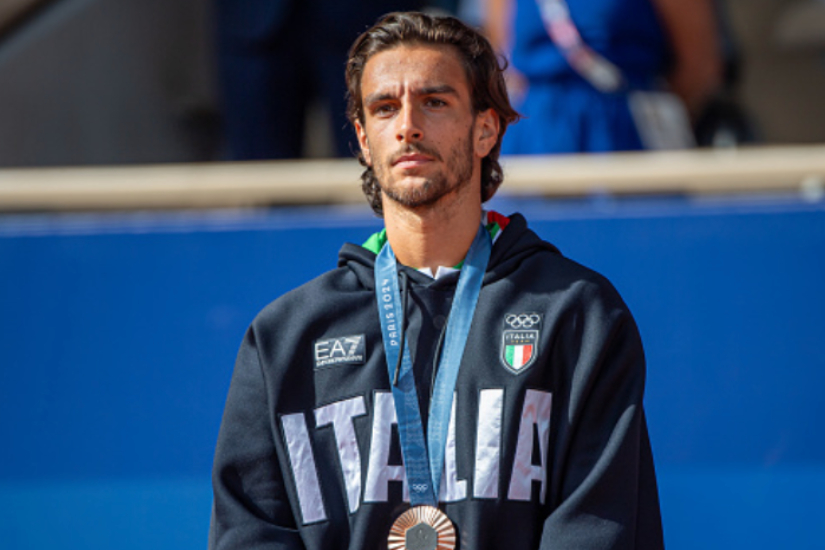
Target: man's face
420 134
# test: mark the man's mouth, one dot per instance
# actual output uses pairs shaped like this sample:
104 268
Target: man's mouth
414 156
411 160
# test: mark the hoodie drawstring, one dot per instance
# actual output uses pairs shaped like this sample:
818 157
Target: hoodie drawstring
405 292
437 355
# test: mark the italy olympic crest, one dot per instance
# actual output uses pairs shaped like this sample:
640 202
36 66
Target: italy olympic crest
519 341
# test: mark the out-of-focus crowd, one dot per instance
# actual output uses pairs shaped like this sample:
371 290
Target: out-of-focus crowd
587 75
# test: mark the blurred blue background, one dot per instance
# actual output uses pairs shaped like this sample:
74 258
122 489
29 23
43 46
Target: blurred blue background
118 335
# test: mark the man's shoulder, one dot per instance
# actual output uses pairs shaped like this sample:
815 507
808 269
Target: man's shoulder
329 291
549 273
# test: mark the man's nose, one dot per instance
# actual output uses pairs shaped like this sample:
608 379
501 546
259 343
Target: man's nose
409 128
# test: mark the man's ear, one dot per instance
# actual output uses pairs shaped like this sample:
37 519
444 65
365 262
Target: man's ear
363 142
486 133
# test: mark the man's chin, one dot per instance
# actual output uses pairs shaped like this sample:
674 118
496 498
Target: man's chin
414 193
408 185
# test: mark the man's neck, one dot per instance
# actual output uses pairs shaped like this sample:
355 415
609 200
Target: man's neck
433 236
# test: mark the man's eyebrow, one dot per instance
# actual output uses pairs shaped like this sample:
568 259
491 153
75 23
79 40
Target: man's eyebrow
378 96
438 90
442 89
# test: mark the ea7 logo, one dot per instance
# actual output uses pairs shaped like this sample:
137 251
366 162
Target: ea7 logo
346 349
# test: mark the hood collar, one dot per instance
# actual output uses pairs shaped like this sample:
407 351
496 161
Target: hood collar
511 244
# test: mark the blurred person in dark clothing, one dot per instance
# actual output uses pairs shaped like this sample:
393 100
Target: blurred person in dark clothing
275 58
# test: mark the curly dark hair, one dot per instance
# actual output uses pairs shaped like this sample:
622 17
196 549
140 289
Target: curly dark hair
484 73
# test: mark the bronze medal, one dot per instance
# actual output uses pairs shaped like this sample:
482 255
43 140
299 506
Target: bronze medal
422 528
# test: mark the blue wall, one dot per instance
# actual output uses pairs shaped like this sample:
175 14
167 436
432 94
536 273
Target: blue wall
118 334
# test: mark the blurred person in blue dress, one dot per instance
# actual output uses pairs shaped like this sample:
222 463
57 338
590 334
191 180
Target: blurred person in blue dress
606 75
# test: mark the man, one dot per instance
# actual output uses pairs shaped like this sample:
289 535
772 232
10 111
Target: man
456 382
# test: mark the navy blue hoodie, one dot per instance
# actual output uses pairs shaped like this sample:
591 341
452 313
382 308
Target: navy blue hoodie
547 446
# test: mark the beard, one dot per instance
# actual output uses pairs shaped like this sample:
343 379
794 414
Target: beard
456 175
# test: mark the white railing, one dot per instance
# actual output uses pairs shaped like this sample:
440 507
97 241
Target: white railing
759 169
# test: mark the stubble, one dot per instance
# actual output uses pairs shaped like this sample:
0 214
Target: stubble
456 175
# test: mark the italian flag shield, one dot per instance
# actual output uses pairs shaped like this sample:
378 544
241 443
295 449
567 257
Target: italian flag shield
518 356
519 348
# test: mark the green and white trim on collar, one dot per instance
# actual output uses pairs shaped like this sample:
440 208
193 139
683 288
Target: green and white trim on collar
493 221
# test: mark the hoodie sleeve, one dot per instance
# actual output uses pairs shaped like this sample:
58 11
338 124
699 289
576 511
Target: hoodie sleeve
604 487
250 508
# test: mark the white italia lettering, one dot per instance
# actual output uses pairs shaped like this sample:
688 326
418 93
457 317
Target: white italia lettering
532 441
536 412
452 489
379 471
302 461
488 444
340 415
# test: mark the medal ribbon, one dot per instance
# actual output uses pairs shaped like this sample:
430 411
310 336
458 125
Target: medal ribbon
424 460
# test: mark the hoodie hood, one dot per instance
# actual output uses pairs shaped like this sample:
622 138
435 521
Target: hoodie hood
515 243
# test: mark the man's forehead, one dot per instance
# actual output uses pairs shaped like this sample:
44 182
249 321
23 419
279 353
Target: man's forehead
421 68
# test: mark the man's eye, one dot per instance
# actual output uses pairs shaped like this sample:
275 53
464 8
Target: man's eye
435 102
385 109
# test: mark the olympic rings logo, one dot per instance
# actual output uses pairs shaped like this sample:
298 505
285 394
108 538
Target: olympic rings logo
420 487
523 320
